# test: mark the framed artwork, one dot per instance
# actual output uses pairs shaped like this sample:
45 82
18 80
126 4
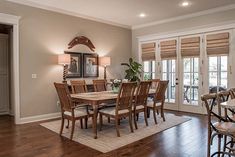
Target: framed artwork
90 65
75 67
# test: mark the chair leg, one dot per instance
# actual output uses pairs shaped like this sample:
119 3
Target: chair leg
135 120
130 122
162 114
209 143
67 124
116 123
148 112
86 121
219 144
109 120
101 121
73 126
145 116
81 123
225 141
154 116
157 112
62 126
137 116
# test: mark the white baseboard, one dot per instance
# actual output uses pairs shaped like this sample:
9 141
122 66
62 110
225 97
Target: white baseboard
39 118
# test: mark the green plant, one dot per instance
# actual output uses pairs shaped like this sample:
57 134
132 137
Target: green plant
133 73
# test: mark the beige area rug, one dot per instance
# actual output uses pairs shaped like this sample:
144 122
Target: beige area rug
107 139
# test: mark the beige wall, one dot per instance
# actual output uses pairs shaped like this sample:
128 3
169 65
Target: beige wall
179 25
43 35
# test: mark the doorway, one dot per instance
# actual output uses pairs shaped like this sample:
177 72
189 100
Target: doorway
6 53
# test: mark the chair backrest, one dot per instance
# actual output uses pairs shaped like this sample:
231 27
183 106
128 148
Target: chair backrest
232 93
161 90
64 96
125 96
78 86
155 83
211 100
142 92
99 85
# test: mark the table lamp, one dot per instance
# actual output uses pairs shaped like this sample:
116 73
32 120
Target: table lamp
104 61
64 59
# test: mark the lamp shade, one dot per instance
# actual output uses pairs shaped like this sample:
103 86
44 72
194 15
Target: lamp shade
104 61
64 59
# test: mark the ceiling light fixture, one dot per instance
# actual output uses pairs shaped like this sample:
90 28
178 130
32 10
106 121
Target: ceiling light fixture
142 15
185 4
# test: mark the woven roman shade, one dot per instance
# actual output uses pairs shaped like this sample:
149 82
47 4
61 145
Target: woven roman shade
190 47
217 44
168 49
148 51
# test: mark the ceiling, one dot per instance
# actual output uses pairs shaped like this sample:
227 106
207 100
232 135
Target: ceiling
126 12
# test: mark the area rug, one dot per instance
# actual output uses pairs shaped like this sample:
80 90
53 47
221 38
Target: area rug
107 138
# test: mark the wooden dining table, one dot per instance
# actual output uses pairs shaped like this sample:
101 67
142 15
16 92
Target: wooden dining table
95 99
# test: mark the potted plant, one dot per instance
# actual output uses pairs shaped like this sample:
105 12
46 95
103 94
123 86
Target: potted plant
133 73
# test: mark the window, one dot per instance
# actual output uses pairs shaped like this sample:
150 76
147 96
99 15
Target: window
149 70
168 73
218 70
190 80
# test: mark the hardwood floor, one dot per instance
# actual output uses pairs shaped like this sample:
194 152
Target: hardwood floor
31 140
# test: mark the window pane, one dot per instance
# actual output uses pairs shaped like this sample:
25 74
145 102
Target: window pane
186 78
195 79
146 66
186 64
164 66
195 64
213 79
224 63
147 76
213 63
153 75
224 80
164 76
153 66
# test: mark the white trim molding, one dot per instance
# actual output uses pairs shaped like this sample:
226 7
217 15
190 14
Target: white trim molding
205 12
190 31
66 12
14 21
40 118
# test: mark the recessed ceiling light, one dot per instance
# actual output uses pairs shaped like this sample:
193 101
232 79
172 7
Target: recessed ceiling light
142 15
185 4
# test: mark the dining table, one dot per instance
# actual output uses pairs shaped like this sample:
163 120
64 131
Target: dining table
94 99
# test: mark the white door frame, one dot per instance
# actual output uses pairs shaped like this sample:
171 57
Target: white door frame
14 21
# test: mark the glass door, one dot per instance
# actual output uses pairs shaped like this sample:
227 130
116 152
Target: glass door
217 73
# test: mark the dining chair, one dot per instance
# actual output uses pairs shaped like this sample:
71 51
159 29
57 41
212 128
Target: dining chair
123 106
69 110
232 93
99 85
78 86
217 125
140 102
158 100
154 83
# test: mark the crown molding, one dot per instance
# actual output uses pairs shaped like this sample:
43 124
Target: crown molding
205 12
54 9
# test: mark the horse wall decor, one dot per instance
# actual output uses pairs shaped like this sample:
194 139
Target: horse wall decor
81 40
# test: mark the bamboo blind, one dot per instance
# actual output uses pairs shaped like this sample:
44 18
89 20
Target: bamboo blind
148 51
190 46
217 43
168 49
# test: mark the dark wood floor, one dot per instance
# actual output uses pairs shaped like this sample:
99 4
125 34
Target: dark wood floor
32 140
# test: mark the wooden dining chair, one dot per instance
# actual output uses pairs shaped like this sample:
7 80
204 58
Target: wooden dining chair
140 102
78 86
158 100
232 93
217 125
123 106
154 83
69 110
99 85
